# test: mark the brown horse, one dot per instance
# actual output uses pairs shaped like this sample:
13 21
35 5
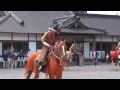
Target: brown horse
57 62
31 66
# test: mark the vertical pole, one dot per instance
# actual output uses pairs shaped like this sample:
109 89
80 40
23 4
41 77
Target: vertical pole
94 44
101 47
112 43
89 47
28 40
12 40
36 42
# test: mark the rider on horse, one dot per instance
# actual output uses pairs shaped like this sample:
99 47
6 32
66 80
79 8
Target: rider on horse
48 40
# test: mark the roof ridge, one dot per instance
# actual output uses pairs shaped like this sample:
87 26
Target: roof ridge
4 18
70 12
64 17
13 16
98 29
18 20
99 15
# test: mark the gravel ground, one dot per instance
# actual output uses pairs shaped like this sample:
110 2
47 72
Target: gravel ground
85 72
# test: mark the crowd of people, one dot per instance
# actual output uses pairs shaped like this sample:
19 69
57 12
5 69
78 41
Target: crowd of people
76 55
12 56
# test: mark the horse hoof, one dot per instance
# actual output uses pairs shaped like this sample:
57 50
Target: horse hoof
113 69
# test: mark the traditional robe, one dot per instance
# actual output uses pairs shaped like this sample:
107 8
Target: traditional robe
50 39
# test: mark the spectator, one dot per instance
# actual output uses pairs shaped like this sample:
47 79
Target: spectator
29 53
15 58
5 59
95 55
107 57
81 59
10 56
22 62
76 57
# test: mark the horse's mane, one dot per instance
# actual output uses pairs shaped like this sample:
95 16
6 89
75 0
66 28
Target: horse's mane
59 45
57 48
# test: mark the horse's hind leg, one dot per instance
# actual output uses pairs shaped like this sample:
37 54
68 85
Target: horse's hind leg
112 65
36 73
29 74
59 76
51 76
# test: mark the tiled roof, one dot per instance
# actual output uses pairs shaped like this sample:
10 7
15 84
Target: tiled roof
40 21
111 23
81 31
35 21
74 25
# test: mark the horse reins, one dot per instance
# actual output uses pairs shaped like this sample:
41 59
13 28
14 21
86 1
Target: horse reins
54 54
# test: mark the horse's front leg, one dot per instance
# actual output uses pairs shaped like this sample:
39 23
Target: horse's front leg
28 75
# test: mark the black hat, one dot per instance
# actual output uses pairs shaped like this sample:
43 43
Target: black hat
57 28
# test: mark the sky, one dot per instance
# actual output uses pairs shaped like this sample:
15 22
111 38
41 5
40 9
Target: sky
104 12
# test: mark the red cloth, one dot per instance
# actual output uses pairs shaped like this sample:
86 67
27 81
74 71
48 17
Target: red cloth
114 54
53 39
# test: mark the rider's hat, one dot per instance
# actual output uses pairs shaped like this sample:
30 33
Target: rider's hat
52 29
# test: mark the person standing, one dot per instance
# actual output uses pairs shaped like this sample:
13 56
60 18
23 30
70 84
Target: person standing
95 55
76 58
29 53
82 59
22 62
5 59
15 59
107 57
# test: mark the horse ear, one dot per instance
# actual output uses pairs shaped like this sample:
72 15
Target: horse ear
65 40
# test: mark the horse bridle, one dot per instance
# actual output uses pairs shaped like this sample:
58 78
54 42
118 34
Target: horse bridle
56 55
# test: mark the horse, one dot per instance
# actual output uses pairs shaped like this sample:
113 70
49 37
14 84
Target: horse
57 62
31 66
114 58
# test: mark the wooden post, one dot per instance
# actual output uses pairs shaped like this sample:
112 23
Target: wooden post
28 40
101 47
94 43
36 42
89 48
11 39
112 43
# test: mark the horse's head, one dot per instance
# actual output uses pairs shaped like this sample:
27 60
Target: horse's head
61 50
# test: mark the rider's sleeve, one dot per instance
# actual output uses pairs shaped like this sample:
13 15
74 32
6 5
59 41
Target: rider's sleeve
45 43
43 39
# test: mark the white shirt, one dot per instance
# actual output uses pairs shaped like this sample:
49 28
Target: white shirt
29 53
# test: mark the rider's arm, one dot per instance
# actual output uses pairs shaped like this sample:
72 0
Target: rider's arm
43 39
